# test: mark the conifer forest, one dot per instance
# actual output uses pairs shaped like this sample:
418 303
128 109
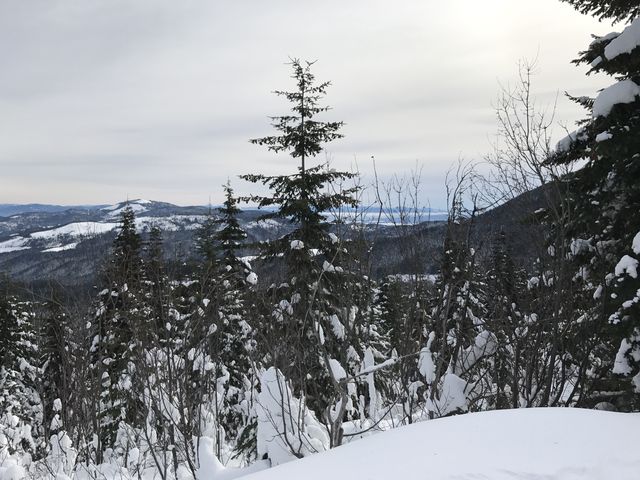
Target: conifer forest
362 314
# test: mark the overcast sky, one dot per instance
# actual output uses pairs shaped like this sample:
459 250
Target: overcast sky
101 100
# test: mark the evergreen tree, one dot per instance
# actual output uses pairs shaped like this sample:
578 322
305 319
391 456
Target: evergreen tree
21 413
605 195
156 290
116 343
56 361
296 340
234 341
506 292
126 262
230 235
205 244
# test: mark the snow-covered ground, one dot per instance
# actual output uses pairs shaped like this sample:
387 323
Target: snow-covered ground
77 229
69 236
533 444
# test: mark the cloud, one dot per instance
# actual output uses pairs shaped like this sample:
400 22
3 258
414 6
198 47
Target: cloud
158 98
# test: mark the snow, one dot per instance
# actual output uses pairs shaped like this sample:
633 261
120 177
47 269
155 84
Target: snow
62 248
452 396
625 91
485 344
626 42
14 245
601 137
368 363
636 244
372 368
136 206
10 469
297 244
284 422
252 278
327 267
211 468
564 144
426 365
92 229
413 277
621 366
604 38
172 223
337 370
629 351
56 423
336 326
264 223
628 265
77 229
542 443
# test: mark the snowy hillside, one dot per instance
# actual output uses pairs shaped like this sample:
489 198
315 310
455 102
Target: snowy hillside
50 242
549 444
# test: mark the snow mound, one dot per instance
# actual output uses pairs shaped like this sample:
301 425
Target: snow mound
626 42
297 245
625 91
636 244
565 144
628 265
542 443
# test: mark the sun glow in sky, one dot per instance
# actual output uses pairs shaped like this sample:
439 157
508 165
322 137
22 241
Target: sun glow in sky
104 99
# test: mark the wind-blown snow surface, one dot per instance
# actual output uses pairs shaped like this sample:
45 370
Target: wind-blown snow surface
534 444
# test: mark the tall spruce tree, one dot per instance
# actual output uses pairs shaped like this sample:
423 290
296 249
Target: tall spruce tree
297 340
116 332
21 415
234 341
605 196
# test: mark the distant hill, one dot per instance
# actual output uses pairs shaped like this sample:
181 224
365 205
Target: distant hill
48 242
418 249
41 243
9 209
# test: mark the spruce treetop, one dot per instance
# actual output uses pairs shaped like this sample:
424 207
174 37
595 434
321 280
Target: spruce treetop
126 263
300 134
302 197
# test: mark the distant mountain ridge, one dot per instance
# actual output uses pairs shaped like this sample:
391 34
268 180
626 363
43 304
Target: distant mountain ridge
9 209
41 242
68 244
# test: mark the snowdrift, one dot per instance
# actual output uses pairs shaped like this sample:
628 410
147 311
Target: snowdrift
535 444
